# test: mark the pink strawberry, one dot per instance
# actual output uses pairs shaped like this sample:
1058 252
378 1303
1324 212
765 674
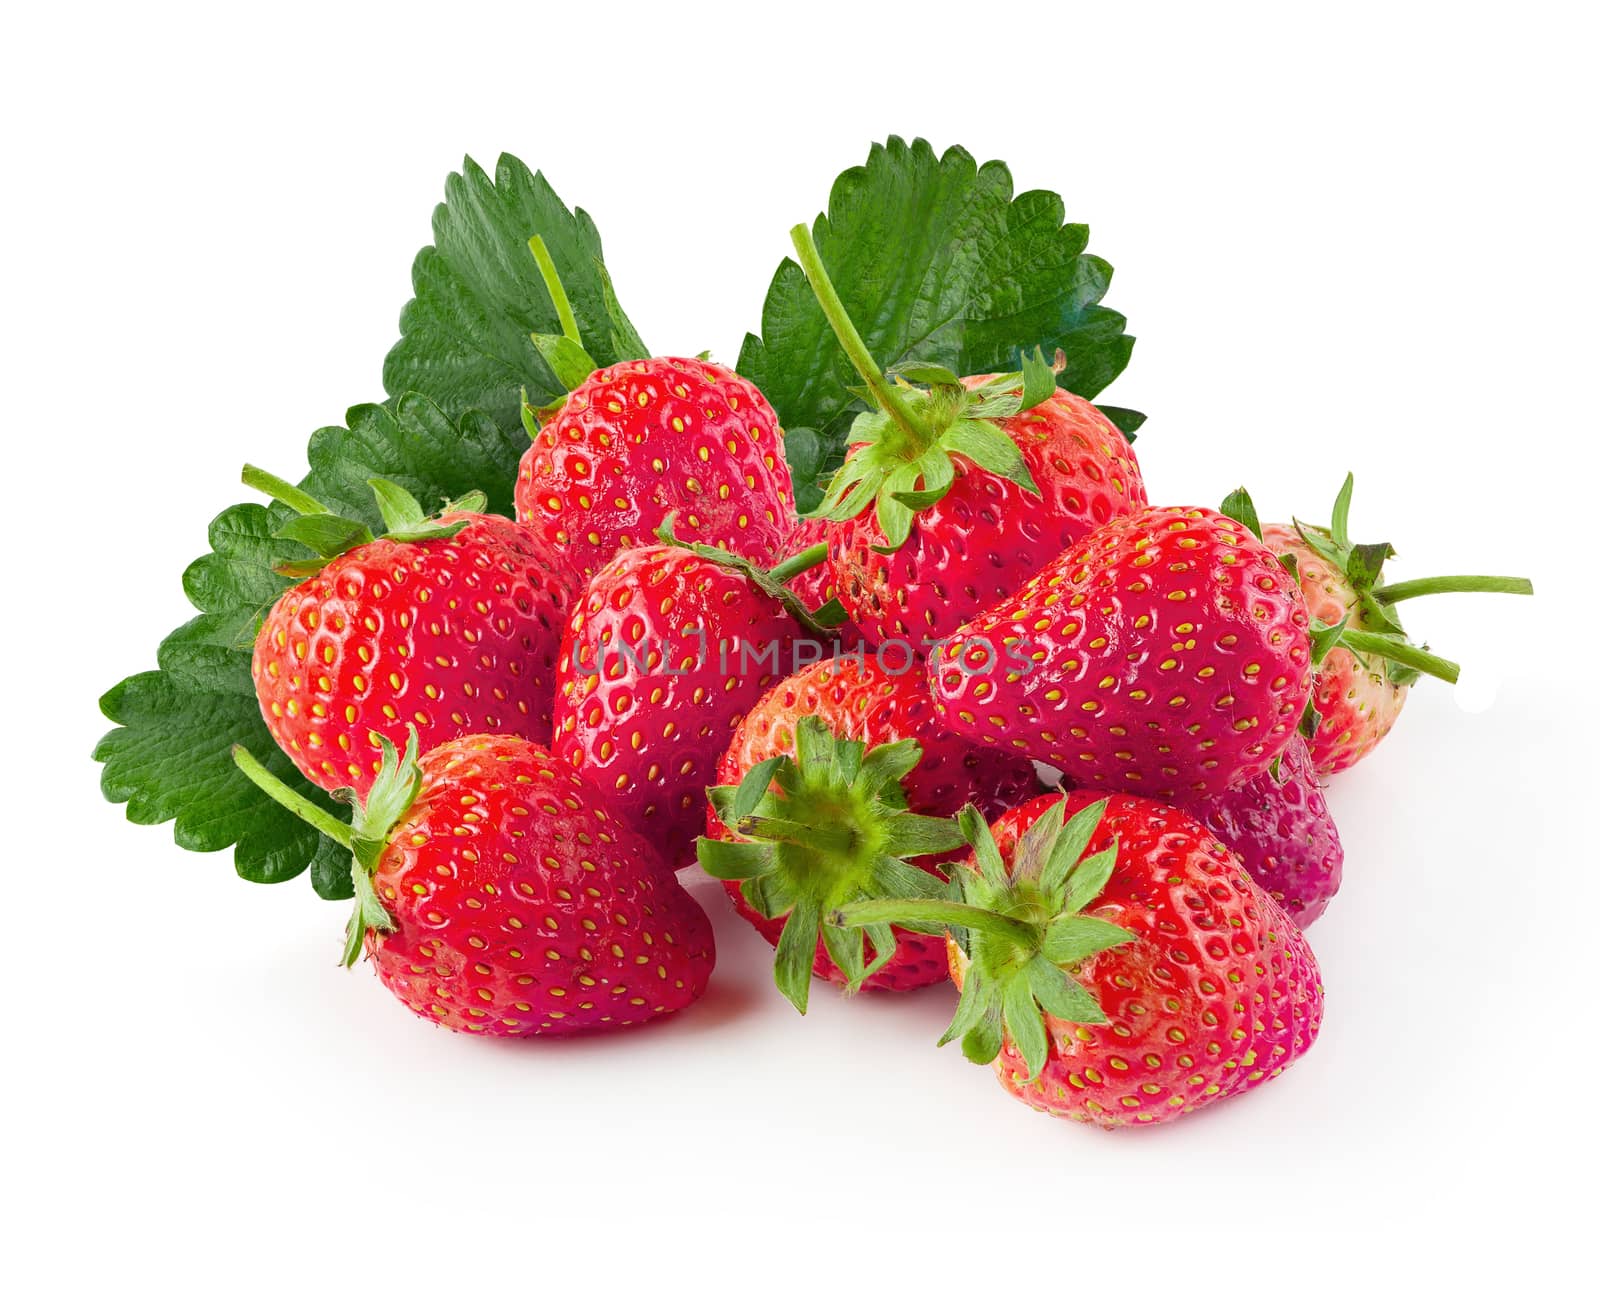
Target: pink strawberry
1357 700
498 893
1168 653
662 656
450 625
1359 691
1119 967
954 494
1279 827
860 702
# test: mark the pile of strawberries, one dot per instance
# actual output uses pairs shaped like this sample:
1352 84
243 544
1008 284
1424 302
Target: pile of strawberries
987 715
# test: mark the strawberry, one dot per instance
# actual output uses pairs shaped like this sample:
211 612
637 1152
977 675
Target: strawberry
1356 699
1279 827
1119 967
1169 653
662 655
497 893
1358 694
639 441
451 625
872 700
953 494
978 542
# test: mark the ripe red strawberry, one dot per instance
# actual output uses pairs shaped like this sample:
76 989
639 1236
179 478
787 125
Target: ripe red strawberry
450 625
954 494
1169 653
639 441
872 700
662 656
987 534
497 893
1279 827
1358 693
1144 981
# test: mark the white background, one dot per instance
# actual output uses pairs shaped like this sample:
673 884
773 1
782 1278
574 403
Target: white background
1346 238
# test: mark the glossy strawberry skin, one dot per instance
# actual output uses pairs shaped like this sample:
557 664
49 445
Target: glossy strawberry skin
1167 654
648 728
639 440
1281 831
877 700
524 907
455 635
1358 701
1219 994
986 536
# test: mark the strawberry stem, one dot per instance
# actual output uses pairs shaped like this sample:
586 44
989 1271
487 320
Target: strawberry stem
295 803
888 396
1403 589
1401 653
286 493
787 569
556 291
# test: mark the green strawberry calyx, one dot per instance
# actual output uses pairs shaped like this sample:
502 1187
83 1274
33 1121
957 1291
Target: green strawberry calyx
1022 928
817 830
1371 628
365 837
771 580
328 535
907 437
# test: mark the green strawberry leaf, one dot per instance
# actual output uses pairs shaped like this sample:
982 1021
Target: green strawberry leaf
625 341
170 759
466 339
1124 419
170 756
942 267
808 455
414 444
